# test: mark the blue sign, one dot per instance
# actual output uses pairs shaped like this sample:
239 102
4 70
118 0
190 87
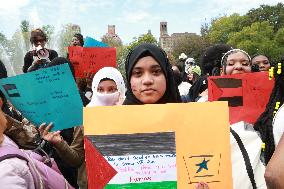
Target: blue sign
46 95
90 42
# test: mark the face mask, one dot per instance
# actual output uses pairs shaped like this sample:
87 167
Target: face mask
107 99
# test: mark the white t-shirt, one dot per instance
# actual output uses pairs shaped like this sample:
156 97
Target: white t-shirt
278 125
252 143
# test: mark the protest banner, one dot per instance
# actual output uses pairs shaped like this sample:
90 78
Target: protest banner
90 60
46 95
158 146
247 94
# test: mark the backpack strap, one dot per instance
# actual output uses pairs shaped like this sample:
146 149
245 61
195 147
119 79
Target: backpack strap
7 152
246 157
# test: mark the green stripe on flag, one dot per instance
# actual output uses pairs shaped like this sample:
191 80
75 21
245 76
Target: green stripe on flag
144 185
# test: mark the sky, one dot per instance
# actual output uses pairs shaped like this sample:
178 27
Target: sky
131 17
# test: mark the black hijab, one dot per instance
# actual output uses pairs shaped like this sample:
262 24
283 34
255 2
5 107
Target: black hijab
146 49
198 87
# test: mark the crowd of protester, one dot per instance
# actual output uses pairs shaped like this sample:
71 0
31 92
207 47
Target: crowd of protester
150 79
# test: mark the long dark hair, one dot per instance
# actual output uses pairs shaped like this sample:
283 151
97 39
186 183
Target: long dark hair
264 122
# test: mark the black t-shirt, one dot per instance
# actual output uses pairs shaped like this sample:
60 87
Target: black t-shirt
28 60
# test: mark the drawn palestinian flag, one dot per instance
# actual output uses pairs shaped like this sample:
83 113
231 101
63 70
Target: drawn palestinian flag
145 160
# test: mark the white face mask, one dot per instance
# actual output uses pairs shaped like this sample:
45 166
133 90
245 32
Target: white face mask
107 99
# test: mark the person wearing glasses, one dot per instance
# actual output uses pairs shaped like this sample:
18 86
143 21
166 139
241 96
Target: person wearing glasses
39 56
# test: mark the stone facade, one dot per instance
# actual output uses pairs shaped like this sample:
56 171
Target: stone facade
111 35
167 41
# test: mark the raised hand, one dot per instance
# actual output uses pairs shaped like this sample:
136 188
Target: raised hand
52 137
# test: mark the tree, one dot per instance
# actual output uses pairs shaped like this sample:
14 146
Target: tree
65 38
4 57
273 14
3 41
121 51
111 41
257 38
121 54
25 30
145 38
192 45
279 40
49 31
17 51
25 26
221 28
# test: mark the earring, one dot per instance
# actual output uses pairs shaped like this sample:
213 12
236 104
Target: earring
279 69
271 73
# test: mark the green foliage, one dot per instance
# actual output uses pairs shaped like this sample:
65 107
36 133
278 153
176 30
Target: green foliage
261 30
49 31
112 42
257 38
65 38
252 36
223 26
3 40
121 51
273 14
145 38
26 29
121 54
25 26
17 51
279 36
192 45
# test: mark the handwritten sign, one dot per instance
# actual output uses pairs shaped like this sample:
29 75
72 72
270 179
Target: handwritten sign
46 95
91 59
76 58
202 145
141 158
90 42
247 94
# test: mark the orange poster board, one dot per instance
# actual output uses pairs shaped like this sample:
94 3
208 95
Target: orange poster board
202 136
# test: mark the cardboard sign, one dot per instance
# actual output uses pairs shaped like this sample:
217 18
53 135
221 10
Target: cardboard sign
247 94
143 143
90 42
46 95
91 60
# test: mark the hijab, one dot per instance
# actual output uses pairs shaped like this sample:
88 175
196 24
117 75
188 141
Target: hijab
146 49
197 88
99 99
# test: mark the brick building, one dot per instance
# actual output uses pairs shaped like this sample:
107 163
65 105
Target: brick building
111 35
167 41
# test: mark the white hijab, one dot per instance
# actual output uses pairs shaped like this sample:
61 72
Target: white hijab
99 99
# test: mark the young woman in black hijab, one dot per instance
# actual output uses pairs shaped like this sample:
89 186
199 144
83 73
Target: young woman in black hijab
150 78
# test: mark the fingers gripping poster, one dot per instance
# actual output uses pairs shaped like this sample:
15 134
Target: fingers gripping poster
158 146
